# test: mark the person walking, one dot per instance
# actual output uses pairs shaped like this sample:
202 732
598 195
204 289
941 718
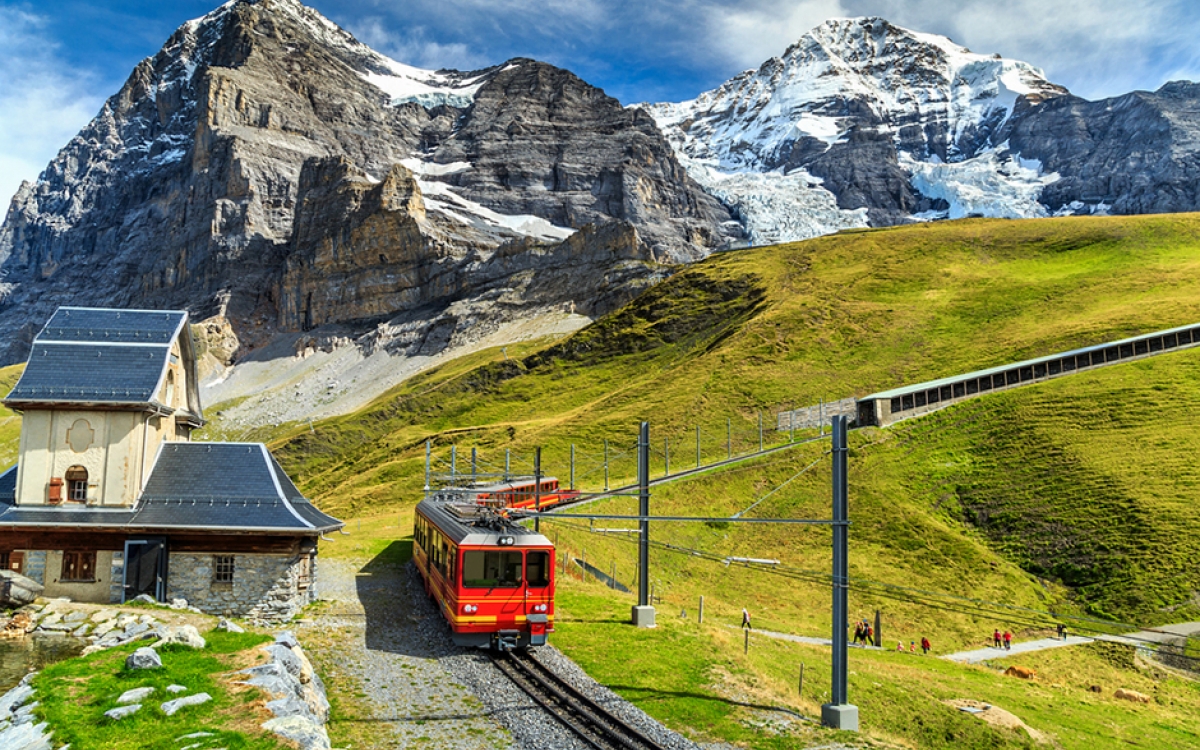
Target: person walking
871 636
912 647
900 646
996 638
1007 641
1062 632
925 645
746 619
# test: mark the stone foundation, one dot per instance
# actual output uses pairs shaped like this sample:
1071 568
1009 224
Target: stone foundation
266 588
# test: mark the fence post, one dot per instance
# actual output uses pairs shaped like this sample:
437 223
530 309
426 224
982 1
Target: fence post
702 610
606 464
428 454
802 679
697 446
746 650
792 425
728 437
760 437
453 464
572 466
474 463
666 457
507 462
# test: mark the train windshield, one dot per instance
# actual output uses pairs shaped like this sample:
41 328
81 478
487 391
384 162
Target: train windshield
485 569
537 569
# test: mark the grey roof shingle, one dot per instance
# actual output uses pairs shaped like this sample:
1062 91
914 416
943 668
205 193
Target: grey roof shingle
194 486
99 356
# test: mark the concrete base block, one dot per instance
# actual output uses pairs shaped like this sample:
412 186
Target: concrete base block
643 617
844 716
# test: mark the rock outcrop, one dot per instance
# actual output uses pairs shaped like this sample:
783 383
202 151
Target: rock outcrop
202 183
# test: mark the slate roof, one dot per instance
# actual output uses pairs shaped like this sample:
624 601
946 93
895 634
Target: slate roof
193 486
99 356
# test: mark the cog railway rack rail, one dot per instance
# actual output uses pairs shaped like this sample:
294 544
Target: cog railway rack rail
590 721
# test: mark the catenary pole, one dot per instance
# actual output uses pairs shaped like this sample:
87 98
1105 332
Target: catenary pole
838 713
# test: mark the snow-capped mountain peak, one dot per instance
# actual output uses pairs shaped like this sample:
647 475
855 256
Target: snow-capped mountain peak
923 96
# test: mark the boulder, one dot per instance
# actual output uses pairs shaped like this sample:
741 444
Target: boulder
120 712
1025 673
143 658
183 635
170 707
16 590
176 689
135 695
230 627
305 732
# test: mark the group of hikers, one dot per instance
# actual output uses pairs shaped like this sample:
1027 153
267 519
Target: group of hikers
999 640
864 633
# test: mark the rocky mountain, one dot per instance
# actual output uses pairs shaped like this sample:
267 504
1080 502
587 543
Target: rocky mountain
863 123
266 167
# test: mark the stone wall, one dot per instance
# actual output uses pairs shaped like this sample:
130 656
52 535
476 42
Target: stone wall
266 588
35 565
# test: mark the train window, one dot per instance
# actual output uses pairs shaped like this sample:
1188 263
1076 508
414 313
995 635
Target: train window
485 569
537 569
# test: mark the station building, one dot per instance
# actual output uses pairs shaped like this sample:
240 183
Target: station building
111 499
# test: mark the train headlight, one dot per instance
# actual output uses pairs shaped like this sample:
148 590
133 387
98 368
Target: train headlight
469 608
506 541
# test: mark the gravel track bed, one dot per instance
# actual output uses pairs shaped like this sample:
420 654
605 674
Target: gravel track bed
385 632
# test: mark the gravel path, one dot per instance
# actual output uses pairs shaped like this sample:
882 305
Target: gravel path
381 630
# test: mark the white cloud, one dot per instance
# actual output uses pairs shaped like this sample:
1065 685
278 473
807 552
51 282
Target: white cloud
415 47
748 34
43 103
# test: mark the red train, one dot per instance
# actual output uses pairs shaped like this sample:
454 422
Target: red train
519 493
493 579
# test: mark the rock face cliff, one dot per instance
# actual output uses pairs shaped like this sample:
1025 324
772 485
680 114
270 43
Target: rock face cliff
862 122
266 166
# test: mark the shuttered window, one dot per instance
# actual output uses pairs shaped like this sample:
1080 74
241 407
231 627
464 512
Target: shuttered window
78 567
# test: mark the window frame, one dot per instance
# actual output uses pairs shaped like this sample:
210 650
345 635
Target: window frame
76 486
84 560
224 567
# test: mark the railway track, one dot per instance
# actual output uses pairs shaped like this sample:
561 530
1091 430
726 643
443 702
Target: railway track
588 720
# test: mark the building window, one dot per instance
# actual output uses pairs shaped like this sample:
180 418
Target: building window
78 567
222 568
77 482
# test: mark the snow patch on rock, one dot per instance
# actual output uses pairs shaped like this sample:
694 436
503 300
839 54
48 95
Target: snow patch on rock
993 184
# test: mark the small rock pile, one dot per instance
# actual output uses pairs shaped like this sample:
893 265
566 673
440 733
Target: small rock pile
148 658
297 694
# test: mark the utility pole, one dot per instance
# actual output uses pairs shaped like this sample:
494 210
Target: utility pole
507 462
474 465
453 464
728 437
839 713
572 466
643 613
666 457
697 446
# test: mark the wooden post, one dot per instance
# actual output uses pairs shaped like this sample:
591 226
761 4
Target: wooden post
746 650
802 679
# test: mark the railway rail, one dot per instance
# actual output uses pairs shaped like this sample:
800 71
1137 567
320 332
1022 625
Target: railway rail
594 725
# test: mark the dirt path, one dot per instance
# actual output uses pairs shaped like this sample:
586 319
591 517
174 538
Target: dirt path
377 643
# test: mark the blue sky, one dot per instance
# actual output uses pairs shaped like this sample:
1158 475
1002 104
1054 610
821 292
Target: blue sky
59 59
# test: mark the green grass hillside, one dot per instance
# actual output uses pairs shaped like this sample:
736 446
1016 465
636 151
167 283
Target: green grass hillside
837 316
1072 497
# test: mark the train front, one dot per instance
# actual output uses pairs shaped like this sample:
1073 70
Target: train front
505 593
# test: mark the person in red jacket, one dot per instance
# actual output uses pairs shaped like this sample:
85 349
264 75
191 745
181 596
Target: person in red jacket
925 645
1007 641
996 638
